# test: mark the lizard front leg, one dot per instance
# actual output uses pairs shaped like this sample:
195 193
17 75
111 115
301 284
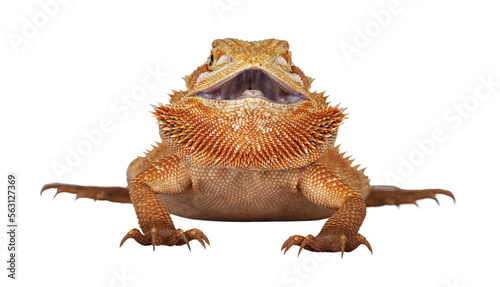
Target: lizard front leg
165 176
325 188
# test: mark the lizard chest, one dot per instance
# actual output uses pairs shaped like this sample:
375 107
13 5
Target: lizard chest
226 193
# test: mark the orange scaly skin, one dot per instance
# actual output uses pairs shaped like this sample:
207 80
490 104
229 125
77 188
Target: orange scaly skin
248 141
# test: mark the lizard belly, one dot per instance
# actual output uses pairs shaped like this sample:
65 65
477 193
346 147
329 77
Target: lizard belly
230 194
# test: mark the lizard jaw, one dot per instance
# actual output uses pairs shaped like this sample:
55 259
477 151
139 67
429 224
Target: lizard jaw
252 83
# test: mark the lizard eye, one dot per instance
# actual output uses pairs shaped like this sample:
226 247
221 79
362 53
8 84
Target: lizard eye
211 59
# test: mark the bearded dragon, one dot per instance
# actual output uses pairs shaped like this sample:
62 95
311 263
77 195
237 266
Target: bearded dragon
248 141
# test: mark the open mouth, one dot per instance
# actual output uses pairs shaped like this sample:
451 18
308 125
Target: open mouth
252 83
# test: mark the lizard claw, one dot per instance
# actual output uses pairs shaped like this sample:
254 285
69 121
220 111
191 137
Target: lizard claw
365 242
184 238
137 235
304 242
291 241
166 236
198 235
343 240
297 240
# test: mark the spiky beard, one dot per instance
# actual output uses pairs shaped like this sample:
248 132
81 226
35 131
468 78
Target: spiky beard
248 133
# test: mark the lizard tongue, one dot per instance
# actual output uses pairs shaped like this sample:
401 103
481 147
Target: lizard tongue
280 97
252 94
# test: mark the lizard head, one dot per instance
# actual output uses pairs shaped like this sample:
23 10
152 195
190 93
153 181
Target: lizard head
237 69
249 106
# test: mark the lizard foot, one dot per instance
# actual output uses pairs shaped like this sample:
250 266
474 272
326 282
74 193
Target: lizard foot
390 195
112 193
329 242
166 236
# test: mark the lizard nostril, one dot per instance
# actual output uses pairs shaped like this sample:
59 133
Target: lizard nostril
230 59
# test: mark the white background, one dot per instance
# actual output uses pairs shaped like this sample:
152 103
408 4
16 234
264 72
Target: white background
399 87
